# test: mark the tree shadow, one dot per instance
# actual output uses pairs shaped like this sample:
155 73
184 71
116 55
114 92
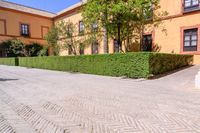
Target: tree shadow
168 73
4 79
156 48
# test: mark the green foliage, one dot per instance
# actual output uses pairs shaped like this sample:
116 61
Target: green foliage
15 48
122 18
18 48
33 49
161 63
43 52
69 40
9 61
52 38
133 65
130 65
64 36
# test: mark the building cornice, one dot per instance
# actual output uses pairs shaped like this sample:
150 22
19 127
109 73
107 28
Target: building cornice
25 9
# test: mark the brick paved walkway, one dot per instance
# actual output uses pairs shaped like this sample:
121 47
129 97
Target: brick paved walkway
33 100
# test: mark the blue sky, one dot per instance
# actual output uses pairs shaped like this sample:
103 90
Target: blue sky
48 5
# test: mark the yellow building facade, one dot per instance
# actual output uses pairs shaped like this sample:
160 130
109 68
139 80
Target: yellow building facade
24 23
182 26
181 34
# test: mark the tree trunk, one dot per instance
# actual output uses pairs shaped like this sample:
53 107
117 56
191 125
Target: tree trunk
141 37
142 32
127 44
105 41
105 32
119 36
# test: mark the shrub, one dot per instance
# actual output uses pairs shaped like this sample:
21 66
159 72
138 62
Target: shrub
16 48
133 65
9 61
12 47
35 49
130 65
161 63
43 52
52 38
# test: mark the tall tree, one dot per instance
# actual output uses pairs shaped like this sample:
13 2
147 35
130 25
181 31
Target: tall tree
98 9
70 39
125 19
52 38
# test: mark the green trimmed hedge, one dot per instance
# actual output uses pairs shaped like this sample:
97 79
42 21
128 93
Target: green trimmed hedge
129 65
133 65
9 61
161 63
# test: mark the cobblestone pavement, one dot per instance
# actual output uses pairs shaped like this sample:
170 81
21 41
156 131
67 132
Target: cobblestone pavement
42 101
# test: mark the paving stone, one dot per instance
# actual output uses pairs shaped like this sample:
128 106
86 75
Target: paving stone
43 101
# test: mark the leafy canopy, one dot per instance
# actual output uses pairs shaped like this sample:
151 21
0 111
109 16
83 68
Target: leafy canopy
124 16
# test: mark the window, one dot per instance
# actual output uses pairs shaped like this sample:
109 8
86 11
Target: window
25 30
116 46
190 5
81 27
190 40
95 48
147 43
81 49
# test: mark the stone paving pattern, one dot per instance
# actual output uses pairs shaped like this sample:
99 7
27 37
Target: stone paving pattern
43 101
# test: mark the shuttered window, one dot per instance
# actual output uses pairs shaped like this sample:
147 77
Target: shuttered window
190 39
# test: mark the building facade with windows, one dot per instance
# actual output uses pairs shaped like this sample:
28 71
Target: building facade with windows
25 23
179 32
181 26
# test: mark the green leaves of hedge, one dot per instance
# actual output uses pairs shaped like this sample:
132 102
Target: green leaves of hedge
132 65
9 61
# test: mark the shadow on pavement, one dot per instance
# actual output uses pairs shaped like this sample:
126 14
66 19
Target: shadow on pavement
3 79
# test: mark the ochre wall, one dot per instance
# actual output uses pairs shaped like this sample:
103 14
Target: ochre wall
10 26
170 40
173 7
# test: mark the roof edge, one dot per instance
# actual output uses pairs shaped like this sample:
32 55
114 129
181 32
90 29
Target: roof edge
28 7
49 15
70 9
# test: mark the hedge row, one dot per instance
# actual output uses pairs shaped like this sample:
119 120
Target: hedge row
133 65
129 65
161 63
9 61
